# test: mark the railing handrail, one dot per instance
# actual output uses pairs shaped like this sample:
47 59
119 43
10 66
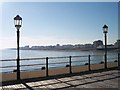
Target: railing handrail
51 57
46 58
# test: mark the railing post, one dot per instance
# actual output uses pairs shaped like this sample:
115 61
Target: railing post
89 63
47 66
118 59
105 61
70 64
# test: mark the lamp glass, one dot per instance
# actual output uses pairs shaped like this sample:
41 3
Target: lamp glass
18 21
105 30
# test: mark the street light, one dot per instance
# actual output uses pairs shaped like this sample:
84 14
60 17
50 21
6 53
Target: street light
18 23
105 31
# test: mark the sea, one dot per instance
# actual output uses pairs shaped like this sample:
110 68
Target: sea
97 56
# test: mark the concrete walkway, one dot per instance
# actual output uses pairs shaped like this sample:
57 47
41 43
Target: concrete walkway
94 79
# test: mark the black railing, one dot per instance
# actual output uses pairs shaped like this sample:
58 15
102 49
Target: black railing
71 60
89 62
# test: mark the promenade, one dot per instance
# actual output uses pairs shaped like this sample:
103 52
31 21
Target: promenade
106 78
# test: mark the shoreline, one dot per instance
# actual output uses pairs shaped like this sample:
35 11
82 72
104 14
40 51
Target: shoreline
116 50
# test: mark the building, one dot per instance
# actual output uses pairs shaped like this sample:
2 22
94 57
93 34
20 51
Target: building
97 43
25 47
117 44
88 46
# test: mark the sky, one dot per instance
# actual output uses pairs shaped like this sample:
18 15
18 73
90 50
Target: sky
51 23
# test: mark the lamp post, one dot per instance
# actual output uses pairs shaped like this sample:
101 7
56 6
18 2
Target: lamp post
105 31
18 23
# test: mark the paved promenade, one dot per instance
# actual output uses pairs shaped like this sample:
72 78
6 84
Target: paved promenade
94 79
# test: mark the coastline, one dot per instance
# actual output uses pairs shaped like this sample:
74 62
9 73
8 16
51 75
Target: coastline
67 50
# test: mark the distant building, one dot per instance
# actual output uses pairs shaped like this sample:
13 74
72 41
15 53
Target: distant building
68 46
109 47
57 45
97 43
35 47
25 47
117 44
88 46
78 46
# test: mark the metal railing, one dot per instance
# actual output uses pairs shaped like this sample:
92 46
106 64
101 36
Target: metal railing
71 60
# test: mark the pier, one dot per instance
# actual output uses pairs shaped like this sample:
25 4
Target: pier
83 76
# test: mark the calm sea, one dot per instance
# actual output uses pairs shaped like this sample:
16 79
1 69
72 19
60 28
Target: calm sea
12 54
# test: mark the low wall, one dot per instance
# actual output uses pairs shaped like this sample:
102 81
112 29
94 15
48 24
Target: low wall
54 71
58 71
113 64
33 74
76 69
97 66
8 76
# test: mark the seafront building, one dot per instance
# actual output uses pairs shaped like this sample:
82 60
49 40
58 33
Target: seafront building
97 45
117 44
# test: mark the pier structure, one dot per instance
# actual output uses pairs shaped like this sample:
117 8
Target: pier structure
65 77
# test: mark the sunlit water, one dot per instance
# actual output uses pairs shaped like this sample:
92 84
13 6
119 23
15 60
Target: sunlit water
12 54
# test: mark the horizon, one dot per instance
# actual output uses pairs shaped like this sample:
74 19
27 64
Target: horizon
66 44
51 23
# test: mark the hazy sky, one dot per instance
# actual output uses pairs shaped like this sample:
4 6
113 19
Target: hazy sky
49 23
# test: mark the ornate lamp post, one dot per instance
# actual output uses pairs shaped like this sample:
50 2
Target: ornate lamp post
105 31
18 23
